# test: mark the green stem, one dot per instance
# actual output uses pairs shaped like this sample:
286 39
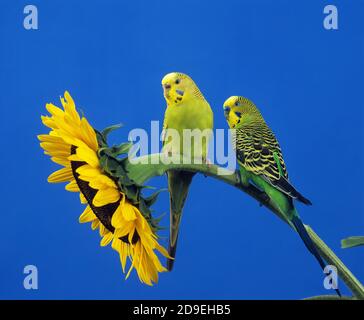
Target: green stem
345 274
330 297
153 165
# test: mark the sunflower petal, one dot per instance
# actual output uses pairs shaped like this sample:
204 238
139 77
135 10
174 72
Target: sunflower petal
106 239
106 196
129 212
95 224
61 175
87 215
72 187
88 155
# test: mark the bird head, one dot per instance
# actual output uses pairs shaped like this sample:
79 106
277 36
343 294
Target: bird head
178 87
238 110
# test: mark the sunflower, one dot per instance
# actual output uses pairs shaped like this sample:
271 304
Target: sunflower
115 205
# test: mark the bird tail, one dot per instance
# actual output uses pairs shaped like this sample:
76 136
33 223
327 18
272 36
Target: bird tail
286 187
309 243
178 185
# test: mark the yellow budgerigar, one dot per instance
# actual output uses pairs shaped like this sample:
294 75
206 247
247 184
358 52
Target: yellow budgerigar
186 110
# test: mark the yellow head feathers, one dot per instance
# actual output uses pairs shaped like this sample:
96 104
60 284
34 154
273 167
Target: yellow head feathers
179 87
239 110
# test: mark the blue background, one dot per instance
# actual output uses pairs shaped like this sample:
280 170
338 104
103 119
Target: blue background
111 56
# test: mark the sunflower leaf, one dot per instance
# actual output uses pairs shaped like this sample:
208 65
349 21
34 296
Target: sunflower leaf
100 139
144 209
351 242
149 201
109 129
121 148
131 192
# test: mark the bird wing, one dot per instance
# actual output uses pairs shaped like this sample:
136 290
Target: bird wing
258 151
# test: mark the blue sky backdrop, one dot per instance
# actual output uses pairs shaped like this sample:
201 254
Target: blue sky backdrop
111 56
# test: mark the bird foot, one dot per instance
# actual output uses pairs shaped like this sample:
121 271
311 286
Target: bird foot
238 177
264 198
208 163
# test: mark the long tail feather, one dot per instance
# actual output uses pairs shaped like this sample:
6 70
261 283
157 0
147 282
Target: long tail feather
309 243
178 185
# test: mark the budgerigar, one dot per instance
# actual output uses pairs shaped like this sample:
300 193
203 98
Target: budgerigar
261 162
186 109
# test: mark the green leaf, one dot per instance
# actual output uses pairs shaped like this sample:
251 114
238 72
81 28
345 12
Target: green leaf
144 209
109 129
149 201
100 139
131 192
121 148
352 242
330 297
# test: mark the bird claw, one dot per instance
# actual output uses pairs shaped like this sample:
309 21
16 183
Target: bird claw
167 152
265 198
207 162
238 177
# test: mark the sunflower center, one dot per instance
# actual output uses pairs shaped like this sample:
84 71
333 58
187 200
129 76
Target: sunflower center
103 213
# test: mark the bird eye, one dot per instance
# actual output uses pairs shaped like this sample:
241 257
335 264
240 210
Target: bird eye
236 103
177 81
238 114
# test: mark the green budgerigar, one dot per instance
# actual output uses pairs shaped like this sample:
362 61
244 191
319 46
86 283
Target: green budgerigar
261 162
187 109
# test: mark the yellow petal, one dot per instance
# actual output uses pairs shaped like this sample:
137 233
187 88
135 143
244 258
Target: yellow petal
54 111
106 239
131 235
88 171
124 254
106 196
48 122
69 107
87 215
129 271
100 182
117 220
82 199
122 250
89 135
95 224
62 175
129 211
72 187
103 230
63 161
124 230
70 138
53 147
88 155
50 138
162 250
74 157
